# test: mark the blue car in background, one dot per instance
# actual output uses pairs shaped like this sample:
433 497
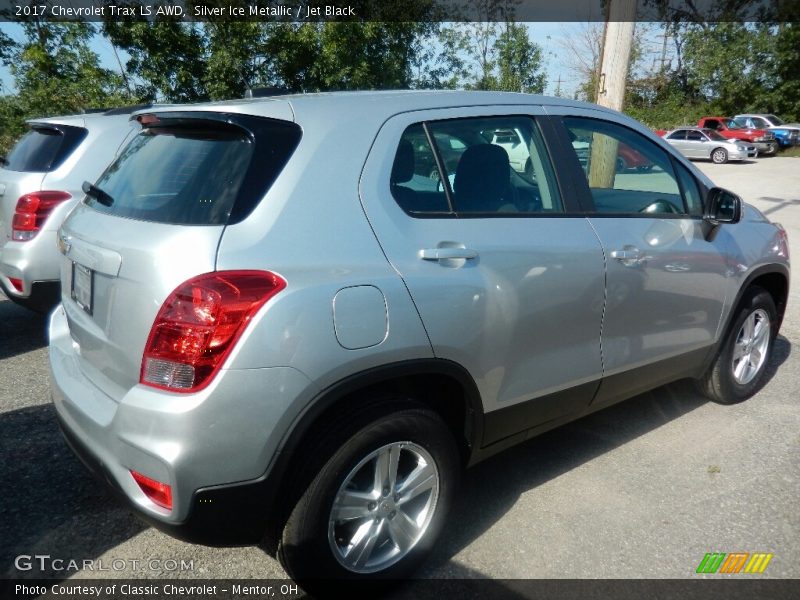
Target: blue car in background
786 134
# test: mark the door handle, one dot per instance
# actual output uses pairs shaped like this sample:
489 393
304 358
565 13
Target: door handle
626 254
447 253
629 256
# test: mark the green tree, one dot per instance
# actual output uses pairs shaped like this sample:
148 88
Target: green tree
167 57
519 61
727 62
487 56
56 72
344 55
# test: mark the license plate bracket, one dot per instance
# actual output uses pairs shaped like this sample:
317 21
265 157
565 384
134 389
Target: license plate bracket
82 286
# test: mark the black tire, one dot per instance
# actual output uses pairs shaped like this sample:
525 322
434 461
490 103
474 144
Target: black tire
719 156
306 551
621 166
719 383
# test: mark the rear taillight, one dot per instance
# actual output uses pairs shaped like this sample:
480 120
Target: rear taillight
159 493
32 211
17 284
198 325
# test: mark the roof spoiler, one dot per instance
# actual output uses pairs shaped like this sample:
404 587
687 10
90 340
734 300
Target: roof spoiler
126 110
266 92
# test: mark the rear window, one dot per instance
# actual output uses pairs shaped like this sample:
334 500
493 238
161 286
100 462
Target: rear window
44 148
197 171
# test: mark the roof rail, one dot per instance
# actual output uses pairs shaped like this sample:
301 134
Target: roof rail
92 111
265 92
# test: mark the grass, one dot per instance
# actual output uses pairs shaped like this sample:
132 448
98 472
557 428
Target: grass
793 151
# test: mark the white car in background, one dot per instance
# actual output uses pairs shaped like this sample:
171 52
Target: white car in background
40 182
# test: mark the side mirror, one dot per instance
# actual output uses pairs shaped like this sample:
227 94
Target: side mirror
722 206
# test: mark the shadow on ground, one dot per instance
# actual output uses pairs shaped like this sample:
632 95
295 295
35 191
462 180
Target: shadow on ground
51 504
21 330
491 488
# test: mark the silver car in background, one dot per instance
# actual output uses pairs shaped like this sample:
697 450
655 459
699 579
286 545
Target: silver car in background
697 143
274 327
40 182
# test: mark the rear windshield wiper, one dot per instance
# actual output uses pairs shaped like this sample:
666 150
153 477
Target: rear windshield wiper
95 192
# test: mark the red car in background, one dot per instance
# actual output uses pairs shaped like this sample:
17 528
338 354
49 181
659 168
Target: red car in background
763 140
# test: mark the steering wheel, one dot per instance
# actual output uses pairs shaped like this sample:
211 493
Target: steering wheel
661 206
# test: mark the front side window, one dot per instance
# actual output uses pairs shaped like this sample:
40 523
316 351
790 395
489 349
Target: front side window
626 172
696 136
481 166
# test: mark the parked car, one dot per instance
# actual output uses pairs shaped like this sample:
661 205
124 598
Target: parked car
694 142
40 182
786 134
262 337
764 141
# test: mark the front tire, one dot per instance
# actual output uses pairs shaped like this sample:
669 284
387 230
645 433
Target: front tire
375 507
719 156
738 370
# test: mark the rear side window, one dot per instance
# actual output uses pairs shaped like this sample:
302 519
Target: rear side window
44 148
192 171
487 166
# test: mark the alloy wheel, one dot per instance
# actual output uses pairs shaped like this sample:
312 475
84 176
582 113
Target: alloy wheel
384 507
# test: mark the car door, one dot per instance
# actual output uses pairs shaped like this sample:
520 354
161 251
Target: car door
697 144
508 282
677 139
666 277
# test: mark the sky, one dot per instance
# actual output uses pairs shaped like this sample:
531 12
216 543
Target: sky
549 36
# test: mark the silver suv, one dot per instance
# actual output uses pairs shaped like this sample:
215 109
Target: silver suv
275 326
40 182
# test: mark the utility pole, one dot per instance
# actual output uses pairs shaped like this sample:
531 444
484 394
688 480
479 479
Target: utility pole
616 54
614 61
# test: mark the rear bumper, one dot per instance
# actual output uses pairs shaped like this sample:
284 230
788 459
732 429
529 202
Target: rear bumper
228 515
43 295
33 262
213 448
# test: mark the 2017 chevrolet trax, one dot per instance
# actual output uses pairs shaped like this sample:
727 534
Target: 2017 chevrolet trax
276 323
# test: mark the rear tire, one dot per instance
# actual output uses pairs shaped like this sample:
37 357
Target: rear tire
329 536
719 156
738 370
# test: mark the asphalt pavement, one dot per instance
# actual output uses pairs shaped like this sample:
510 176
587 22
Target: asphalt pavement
641 490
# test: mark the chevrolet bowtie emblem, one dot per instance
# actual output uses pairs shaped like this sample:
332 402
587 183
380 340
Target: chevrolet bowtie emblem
64 244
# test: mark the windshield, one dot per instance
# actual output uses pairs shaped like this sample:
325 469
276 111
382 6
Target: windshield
775 120
713 135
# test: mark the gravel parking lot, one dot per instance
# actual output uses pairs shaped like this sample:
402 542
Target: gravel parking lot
641 490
